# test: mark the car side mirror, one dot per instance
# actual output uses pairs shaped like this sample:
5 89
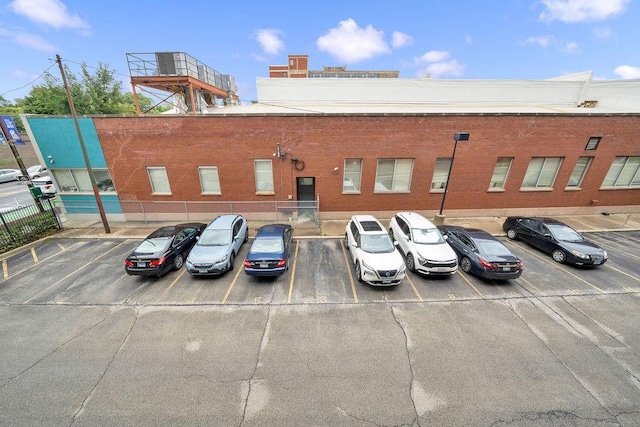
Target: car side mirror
445 237
547 235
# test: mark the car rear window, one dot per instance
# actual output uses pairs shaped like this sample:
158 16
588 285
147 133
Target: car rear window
267 245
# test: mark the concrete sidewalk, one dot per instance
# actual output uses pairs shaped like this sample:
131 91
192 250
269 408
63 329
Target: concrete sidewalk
336 228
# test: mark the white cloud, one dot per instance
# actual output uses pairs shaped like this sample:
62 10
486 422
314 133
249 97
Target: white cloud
542 41
628 72
30 41
448 68
602 33
431 56
49 12
270 40
571 48
572 11
399 39
349 43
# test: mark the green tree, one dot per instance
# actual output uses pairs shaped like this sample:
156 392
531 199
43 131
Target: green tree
8 109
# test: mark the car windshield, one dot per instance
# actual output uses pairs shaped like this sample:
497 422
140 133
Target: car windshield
212 237
493 248
427 236
565 233
151 245
376 243
268 245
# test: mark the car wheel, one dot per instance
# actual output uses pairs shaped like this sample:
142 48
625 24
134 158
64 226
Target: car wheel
177 263
246 237
465 265
411 263
559 256
512 234
358 271
231 259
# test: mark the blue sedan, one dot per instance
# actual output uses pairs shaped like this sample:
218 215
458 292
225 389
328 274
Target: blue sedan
481 254
269 252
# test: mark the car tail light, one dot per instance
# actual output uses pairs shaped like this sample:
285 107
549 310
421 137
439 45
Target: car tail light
247 263
128 263
487 264
282 262
157 262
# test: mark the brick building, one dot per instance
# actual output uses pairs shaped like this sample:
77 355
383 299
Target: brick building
378 146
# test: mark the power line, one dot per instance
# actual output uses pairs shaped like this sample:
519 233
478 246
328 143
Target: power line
31 82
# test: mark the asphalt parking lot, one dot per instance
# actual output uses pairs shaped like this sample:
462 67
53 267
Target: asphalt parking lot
85 344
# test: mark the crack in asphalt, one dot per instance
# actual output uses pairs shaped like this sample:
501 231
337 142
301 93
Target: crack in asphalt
106 369
37 362
411 368
553 416
263 342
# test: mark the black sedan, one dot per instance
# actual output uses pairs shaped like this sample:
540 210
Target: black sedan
269 252
163 250
482 254
556 238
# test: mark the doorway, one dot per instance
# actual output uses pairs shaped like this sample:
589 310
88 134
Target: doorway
305 194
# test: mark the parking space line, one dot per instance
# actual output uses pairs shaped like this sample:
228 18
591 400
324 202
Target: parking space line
414 288
5 269
165 293
470 284
62 248
346 260
233 282
34 255
622 272
604 244
531 285
293 271
562 268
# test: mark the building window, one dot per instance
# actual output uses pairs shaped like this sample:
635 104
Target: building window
352 174
393 175
441 173
542 172
500 173
579 171
159 180
78 181
592 144
624 172
264 176
209 180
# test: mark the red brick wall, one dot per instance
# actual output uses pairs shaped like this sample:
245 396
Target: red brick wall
231 143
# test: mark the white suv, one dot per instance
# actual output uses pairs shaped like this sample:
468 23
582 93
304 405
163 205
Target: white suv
423 244
376 259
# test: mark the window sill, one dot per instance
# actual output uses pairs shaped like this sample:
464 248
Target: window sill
496 190
626 187
211 193
529 190
437 191
351 192
265 193
392 192
573 188
161 194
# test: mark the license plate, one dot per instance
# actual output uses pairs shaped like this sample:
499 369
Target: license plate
264 264
141 264
506 268
202 271
386 281
598 261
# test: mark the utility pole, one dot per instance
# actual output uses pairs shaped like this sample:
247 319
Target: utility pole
84 149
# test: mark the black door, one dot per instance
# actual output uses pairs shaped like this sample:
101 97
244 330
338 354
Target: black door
305 190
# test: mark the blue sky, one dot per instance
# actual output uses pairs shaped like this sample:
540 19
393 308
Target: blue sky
463 39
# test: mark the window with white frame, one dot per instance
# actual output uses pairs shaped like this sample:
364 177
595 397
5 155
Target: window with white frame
579 171
78 181
441 173
209 180
624 172
500 173
264 176
541 173
159 180
352 175
393 175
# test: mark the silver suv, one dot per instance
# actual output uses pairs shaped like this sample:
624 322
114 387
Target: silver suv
422 244
376 259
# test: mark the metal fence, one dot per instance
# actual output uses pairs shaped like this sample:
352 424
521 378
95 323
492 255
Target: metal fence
306 213
24 224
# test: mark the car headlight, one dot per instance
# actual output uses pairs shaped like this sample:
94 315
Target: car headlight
223 259
580 255
368 267
604 254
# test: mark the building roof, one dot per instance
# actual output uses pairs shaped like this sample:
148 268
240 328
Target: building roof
571 94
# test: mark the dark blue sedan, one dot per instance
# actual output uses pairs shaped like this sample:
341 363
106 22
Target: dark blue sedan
481 254
269 252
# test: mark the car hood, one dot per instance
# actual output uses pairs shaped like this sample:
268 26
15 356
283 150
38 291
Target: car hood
202 253
437 252
385 261
585 247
